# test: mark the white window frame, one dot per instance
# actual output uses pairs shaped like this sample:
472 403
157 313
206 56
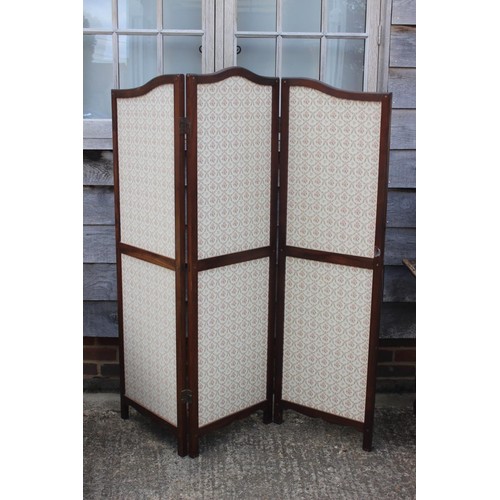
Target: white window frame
371 37
219 42
97 133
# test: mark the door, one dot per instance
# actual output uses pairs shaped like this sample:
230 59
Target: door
335 41
126 43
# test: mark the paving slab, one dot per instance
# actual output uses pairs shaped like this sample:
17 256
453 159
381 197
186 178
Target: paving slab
303 458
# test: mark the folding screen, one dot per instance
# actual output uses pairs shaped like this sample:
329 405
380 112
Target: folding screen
149 212
232 175
333 179
217 317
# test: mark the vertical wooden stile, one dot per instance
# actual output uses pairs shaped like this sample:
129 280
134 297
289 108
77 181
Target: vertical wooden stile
333 160
147 141
252 253
378 273
192 263
230 155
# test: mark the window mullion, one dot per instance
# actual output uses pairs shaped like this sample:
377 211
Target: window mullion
279 17
210 11
371 45
227 26
159 37
114 41
114 14
322 43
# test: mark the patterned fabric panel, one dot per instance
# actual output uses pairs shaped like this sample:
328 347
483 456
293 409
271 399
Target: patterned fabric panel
232 338
332 172
146 162
150 336
327 323
234 166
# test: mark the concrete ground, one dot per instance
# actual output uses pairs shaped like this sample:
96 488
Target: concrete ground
303 458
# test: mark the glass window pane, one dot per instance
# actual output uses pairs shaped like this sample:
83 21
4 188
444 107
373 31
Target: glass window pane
97 76
345 64
181 54
137 14
346 16
256 15
97 14
300 58
257 55
137 60
299 15
182 14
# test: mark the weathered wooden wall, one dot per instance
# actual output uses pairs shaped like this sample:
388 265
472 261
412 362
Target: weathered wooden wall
398 319
398 315
99 269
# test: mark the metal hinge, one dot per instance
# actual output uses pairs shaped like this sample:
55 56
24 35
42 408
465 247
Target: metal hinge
186 396
184 125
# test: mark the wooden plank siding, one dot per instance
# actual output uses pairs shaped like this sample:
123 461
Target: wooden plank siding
402 84
99 283
98 207
404 12
99 259
98 168
398 311
402 169
398 318
403 44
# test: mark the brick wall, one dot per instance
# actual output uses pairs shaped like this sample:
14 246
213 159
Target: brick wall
101 365
395 372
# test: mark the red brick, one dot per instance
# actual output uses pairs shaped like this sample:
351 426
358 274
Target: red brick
106 341
405 355
89 369
110 370
100 353
385 355
395 371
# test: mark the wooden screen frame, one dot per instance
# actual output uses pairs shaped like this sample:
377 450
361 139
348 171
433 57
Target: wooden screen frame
187 265
375 263
195 265
177 264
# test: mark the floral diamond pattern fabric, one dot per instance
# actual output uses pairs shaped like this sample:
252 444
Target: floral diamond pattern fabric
327 324
232 338
332 172
234 166
147 166
333 162
150 336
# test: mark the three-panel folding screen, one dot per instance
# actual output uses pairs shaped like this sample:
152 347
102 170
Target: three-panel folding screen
250 220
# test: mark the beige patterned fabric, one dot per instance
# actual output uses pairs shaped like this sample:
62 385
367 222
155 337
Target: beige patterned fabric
150 336
327 324
234 166
332 172
147 162
232 338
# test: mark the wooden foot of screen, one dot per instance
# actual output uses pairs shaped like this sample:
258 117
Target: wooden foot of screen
194 446
278 414
124 409
268 414
367 438
182 445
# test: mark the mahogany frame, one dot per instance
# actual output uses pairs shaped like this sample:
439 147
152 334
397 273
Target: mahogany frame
177 264
187 266
195 265
375 263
